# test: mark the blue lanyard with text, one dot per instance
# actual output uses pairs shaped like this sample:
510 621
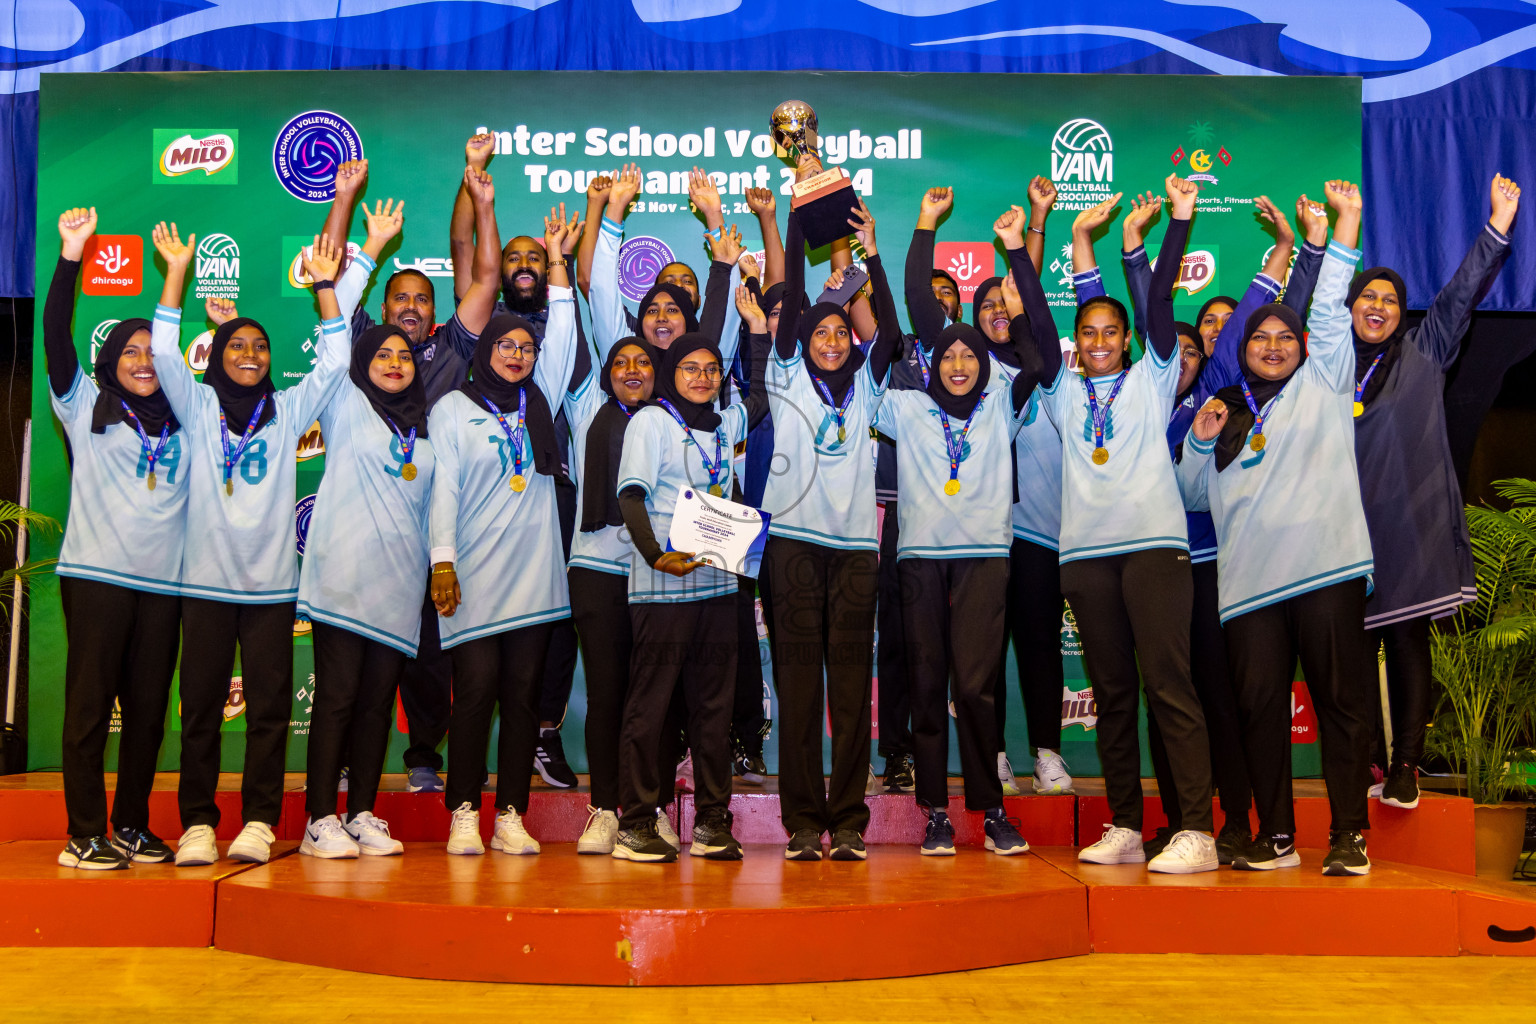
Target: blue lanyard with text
514 437
245 439
957 448
714 471
1257 442
1101 415
839 410
151 456
1360 387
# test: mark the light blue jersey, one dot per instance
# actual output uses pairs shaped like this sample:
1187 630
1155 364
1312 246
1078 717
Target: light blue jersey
976 522
504 544
119 531
1289 518
1037 450
821 487
608 549
240 546
661 463
1131 502
365 559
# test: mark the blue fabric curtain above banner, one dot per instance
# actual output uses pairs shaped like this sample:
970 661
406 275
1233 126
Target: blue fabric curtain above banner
1449 88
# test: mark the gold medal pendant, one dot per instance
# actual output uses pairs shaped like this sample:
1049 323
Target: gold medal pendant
1258 442
1100 456
151 480
717 490
1359 409
952 488
229 487
408 471
518 483
842 435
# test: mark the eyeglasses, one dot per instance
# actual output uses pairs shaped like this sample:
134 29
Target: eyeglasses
509 349
693 371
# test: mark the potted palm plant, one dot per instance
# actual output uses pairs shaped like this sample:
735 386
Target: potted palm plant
15 521
1485 662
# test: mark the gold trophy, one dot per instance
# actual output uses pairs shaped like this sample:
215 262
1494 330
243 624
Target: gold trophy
824 201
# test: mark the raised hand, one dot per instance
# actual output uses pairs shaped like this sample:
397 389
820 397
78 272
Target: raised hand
350 177
748 265
1182 194
1010 227
1210 419
1042 197
481 188
1271 213
1342 196
760 201
1505 195
168 243
726 247
626 185
560 234
76 226
1313 220
703 193
478 150
863 224
751 312
322 259
1145 208
936 203
220 311
1011 298
1094 217
598 189
808 166
385 219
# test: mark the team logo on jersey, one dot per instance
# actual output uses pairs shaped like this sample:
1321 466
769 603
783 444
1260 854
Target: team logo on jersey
198 352
195 157
310 445
113 265
308 151
99 336
1079 708
640 260
969 263
303 512
217 267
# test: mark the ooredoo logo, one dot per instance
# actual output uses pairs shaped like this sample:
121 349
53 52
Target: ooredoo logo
309 149
640 260
113 265
1082 150
969 263
218 267
99 336
302 513
198 352
196 157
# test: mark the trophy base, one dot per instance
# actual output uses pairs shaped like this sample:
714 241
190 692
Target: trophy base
824 203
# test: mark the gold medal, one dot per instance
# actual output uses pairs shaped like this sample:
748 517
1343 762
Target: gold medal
408 471
1359 409
1100 456
229 487
717 490
842 435
952 488
151 480
518 483
1258 442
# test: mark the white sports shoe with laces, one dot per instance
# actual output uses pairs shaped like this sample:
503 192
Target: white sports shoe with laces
464 832
1005 775
1187 853
511 837
666 831
601 831
1116 846
1051 775
327 839
372 835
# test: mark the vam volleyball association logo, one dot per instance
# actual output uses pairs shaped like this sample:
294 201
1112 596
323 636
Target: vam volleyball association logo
308 151
218 267
1082 163
99 336
640 260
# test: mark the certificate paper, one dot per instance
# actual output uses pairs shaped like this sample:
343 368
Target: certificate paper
720 533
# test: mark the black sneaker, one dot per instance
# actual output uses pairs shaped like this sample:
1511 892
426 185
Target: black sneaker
1401 788
1160 839
847 845
804 845
93 853
1233 839
712 837
644 845
1003 834
939 836
549 760
1266 853
748 766
1346 854
898 774
140 845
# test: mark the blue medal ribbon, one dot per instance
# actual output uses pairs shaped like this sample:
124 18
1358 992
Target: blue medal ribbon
1257 442
407 449
714 471
1100 414
838 410
956 447
1360 387
230 459
514 437
151 456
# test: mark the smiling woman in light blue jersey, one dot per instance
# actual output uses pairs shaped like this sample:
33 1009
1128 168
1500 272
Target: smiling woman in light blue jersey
119 567
498 575
1273 459
367 545
1125 551
240 573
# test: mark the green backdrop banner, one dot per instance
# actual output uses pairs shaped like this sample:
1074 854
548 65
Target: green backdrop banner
132 144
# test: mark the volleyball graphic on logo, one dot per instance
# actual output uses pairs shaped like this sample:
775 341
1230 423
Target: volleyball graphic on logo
99 336
308 151
640 260
302 513
1081 135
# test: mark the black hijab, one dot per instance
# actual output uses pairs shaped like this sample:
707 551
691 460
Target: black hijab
698 416
679 295
775 295
605 447
1001 351
1205 308
1365 354
403 409
1230 442
153 411
238 401
840 380
486 384
959 407
1181 329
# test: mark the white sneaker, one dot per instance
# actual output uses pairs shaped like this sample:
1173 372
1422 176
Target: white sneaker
666 831
1051 775
1187 853
196 847
372 835
1117 846
510 836
327 839
601 831
464 832
254 843
1005 775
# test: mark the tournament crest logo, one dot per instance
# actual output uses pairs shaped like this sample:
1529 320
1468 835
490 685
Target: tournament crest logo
308 151
303 512
640 260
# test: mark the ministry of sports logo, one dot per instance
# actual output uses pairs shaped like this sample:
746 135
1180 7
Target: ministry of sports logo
308 151
218 267
303 512
640 260
1082 163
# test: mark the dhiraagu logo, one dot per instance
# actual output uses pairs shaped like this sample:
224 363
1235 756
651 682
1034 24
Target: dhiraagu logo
196 156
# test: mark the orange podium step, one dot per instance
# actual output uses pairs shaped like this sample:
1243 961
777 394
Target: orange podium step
567 919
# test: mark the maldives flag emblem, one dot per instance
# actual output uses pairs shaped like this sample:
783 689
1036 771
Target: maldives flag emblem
1223 155
1178 154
